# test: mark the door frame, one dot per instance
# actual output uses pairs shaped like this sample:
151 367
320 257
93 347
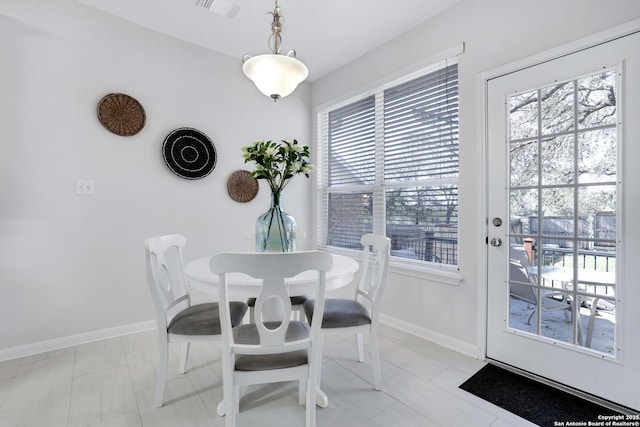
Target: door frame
483 128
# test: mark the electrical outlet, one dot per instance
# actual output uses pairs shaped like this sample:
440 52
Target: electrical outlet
85 186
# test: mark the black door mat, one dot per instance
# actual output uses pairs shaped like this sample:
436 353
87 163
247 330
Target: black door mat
537 402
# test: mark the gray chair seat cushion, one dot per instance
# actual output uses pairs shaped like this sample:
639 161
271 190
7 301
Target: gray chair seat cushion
295 300
339 313
248 334
204 319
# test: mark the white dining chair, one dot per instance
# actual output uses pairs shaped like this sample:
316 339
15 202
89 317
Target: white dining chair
177 319
296 300
274 348
362 313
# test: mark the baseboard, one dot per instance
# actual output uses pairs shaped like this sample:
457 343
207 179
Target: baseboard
73 340
429 335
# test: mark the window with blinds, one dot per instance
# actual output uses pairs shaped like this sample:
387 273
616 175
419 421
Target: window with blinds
388 164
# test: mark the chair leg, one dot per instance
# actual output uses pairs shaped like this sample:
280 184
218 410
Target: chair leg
579 322
302 392
375 359
592 319
221 409
163 362
360 346
230 403
318 396
310 409
184 355
237 392
230 417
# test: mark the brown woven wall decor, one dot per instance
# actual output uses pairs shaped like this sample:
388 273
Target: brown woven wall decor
241 187
121 114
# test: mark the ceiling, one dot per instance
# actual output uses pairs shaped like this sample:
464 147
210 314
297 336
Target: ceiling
325 34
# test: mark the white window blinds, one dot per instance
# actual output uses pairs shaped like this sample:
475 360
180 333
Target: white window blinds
352 149
421 127
389 164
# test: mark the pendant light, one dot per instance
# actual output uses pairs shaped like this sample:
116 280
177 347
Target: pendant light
275 75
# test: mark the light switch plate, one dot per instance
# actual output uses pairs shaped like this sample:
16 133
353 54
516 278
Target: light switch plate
85 186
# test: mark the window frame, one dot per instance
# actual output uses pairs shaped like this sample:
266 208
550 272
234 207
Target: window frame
445 273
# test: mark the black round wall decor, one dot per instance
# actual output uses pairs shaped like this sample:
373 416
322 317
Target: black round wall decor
189 153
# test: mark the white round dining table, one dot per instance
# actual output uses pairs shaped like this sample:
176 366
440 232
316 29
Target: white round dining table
244 286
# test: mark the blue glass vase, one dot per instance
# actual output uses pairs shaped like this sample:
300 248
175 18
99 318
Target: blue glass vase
275 229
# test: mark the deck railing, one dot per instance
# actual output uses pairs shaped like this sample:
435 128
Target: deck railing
440 246
588 259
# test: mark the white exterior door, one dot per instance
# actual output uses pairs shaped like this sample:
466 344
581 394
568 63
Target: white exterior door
563 220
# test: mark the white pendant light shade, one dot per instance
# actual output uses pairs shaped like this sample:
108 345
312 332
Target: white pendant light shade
275 75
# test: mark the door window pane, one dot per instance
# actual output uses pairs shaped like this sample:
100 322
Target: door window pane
523 115
524 163
597 100
524 211
557 108
597 155
558 164
557 202
563 212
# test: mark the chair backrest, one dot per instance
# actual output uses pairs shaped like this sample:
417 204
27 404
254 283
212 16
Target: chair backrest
374 270
165 276
520 283
518 253
273 269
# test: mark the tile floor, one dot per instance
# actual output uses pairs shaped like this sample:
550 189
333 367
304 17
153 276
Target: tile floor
111 383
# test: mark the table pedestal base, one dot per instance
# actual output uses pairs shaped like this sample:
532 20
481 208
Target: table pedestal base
321 400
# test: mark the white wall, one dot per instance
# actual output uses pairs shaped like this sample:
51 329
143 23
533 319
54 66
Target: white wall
495 32
75 264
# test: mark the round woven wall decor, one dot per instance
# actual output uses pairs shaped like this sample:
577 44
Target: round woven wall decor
241 187
121 114
189 153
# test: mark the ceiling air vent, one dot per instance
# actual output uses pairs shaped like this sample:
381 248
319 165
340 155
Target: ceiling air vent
224 8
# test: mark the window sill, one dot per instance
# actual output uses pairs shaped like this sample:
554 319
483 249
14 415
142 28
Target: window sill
445 275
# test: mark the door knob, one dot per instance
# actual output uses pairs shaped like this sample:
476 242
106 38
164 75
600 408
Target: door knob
496 241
